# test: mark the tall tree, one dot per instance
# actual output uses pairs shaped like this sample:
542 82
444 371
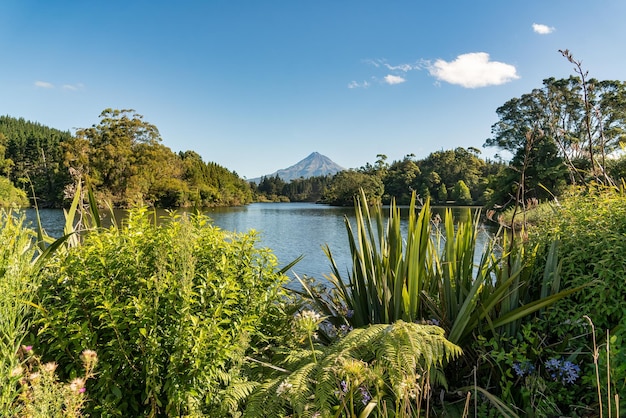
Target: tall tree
584 120
113 147
345 187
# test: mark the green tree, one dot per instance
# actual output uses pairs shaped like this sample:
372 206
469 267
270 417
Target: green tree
442 193
461 193
585 121
401 180
31 155
448 167
345 187
112 151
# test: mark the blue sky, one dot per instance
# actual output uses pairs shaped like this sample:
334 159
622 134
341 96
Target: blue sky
257 85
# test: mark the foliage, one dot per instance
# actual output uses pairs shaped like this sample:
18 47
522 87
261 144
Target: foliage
346 185
169 308
461 193
591 225
298 190
121 157
31 152
427 271
16 291
431 274
10 196
574 124
42 395
370 371
540 378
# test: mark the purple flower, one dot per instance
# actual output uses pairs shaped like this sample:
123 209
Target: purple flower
344 386
365 395
565 371
523 368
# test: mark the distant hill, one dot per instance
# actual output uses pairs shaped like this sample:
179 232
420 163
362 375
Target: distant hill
314 165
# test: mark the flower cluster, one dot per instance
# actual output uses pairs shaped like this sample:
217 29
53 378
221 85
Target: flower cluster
365 395
563 370
307 321
283 388
41 390
523 368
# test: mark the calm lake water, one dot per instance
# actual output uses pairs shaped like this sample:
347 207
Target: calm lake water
289 229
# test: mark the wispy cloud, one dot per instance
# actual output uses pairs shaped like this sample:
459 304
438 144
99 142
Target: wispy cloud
44 85
73 87
394 79
473 70
400 67
357 85
542 29
47 85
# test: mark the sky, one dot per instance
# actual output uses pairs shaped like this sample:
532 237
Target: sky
256 86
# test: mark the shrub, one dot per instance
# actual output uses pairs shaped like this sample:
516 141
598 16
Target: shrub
169 309
10 196
591 227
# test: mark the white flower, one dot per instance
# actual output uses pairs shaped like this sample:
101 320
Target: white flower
284 387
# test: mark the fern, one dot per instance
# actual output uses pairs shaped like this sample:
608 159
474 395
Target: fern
379 360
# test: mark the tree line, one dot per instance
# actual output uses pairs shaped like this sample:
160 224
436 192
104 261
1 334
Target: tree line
569 131
121 158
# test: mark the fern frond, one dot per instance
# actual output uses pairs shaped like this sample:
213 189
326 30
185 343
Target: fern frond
236 393
396 354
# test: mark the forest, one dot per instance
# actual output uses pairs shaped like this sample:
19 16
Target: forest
566 132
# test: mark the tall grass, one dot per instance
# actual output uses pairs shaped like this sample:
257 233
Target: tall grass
18 283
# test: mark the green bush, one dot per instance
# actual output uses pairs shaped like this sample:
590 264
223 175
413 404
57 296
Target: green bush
169 309
11 196
591 227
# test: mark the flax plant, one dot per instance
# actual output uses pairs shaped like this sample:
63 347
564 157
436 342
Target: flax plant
389 274
428 273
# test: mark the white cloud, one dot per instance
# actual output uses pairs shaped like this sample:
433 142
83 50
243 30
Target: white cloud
356 85
402 67
473 70
394 79
73 87
44 84
542 29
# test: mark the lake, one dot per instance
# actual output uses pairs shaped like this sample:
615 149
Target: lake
289 229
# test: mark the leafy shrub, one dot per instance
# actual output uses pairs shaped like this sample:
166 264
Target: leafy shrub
538 378
170 310
10 196
591 227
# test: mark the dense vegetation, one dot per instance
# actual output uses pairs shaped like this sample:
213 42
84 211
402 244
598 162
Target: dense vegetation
121 157
180 318
186 319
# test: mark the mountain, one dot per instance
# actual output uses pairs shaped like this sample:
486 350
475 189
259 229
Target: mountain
314 165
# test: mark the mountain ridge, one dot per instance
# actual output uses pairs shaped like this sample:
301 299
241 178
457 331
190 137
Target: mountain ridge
315 164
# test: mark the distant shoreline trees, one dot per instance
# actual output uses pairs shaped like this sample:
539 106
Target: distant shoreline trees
566 132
